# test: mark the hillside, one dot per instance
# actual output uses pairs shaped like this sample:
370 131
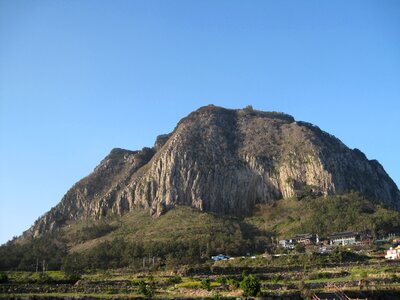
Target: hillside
186 236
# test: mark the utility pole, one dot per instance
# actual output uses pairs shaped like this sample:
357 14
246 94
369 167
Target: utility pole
44 265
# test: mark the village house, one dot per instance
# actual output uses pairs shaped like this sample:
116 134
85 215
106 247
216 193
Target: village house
345 238
305 239
286 244
350 238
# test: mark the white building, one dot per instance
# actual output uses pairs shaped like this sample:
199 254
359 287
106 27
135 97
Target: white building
393 253
344 238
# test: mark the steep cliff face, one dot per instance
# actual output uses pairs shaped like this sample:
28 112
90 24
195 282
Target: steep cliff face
223 161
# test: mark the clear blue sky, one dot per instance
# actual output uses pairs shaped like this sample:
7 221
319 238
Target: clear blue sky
78 78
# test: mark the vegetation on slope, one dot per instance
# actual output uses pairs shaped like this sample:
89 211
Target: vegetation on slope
185 236
325 215
182 236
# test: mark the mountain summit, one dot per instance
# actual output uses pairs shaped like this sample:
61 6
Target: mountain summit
223 161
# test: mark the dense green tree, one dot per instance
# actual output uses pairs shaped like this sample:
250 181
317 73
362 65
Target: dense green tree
147 289
251 286
206 284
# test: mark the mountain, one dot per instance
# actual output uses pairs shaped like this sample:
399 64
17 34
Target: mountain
222 161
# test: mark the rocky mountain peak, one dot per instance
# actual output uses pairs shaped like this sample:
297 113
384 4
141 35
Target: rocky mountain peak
223 161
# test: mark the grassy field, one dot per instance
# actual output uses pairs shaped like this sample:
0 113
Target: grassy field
377 277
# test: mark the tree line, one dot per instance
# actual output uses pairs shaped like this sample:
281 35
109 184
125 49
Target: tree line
53 251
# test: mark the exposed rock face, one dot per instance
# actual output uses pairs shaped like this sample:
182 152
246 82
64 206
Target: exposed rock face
223 161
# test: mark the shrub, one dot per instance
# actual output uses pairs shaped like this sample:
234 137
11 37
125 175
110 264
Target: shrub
221 279
251 286
94 231
320 275
341 255
276 277
206 284
217 296
174 280
233 283
73 278
44 278
3 277
146 290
